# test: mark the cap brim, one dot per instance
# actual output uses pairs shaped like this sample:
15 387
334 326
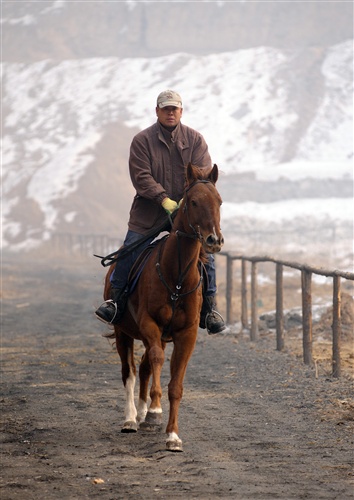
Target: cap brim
164 104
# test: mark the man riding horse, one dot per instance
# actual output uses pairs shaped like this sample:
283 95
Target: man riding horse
158 157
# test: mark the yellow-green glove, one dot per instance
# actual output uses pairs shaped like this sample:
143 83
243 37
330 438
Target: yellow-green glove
169 205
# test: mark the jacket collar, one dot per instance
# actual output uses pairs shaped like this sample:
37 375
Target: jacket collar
177 135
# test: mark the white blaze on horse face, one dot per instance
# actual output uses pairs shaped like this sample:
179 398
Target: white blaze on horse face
220 238
130 410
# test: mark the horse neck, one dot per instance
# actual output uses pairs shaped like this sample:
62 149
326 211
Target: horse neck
181 249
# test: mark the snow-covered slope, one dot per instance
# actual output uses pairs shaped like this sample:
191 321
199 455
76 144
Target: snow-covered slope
58 116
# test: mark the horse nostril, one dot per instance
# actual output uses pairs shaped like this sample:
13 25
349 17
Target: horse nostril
211 240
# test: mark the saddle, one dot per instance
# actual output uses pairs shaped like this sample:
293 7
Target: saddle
142 259
140 263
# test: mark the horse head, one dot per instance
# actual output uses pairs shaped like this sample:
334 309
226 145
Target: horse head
201 207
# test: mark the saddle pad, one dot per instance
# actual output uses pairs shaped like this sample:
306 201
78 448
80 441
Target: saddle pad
140 262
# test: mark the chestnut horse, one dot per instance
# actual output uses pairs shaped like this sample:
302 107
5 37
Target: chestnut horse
165 305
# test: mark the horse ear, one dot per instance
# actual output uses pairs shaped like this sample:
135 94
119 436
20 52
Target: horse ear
214 174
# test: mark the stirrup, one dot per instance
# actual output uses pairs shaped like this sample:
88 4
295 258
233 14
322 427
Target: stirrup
214 312
115 312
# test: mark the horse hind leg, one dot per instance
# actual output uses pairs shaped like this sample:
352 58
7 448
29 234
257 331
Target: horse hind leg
125 347
144 377
151 364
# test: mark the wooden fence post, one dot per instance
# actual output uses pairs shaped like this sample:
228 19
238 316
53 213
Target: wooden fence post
229 288
336 327
254 308
244 314
85 244
306 316
279 315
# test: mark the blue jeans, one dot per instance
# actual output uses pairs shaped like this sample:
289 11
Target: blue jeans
119 277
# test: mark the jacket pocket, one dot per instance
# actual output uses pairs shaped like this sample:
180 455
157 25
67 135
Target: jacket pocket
145 213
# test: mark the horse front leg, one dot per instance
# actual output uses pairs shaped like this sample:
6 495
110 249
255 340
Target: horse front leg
125 348
181 354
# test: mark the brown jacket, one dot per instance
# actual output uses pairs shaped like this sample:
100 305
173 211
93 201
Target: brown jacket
157 170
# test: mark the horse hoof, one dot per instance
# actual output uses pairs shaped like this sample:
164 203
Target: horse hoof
152 422
149 426
153 418
129 426
174 445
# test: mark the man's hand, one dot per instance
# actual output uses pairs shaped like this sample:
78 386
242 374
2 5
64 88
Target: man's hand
169 205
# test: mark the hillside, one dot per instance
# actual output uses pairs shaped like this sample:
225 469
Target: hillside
278 116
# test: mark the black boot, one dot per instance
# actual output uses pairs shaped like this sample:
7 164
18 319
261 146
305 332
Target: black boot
111 311
209 317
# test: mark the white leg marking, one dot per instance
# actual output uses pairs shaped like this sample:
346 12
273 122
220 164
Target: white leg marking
142 410
173 442
155 410
130 410
172 436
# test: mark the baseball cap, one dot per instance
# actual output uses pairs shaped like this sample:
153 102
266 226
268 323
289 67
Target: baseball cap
169 98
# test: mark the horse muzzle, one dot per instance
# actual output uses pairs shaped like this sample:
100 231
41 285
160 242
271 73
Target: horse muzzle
213 243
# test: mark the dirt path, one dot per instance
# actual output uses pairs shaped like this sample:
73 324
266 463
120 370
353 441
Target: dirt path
255 423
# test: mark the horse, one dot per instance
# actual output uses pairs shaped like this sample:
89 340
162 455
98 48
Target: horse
165 306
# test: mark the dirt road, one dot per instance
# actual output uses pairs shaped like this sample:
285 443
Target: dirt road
255 423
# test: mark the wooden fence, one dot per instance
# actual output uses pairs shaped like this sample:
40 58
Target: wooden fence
306 276
87 245
84 245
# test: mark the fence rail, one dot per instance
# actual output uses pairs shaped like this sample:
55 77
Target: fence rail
86 245
306 281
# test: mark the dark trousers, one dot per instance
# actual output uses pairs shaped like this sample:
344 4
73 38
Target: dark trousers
121 272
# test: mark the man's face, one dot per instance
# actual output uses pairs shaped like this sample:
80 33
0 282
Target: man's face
169 116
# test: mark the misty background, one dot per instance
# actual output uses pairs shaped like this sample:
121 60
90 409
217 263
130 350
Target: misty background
268 84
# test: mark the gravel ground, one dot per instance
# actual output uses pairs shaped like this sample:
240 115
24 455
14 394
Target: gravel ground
255 423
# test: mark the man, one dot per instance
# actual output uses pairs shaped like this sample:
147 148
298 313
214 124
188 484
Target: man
158 156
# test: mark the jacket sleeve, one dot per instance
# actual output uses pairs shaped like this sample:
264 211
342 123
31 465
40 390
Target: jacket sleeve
141 174
200 154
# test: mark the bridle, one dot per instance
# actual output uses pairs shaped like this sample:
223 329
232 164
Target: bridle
176 294
196 233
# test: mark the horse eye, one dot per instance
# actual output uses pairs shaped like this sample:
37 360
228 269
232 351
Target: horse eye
194 203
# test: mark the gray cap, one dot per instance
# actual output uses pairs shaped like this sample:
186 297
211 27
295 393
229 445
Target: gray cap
169 98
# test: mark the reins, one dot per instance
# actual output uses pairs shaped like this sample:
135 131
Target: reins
126 250
176 294
111 258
